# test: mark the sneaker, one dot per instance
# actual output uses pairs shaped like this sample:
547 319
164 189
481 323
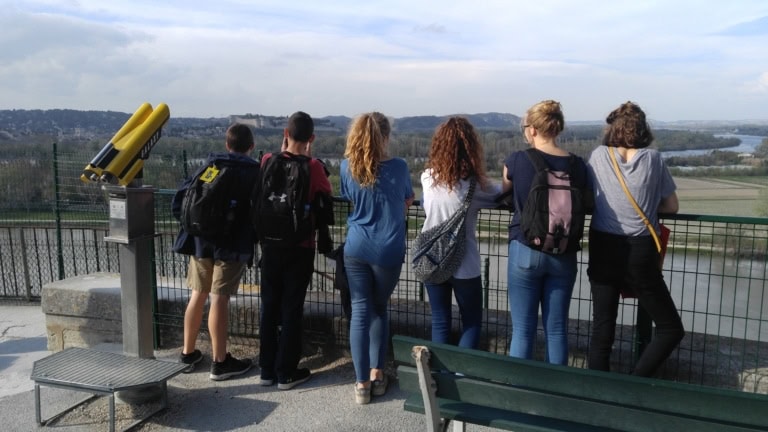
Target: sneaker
267 378
229 367
299 376
362 395
191 360
379 387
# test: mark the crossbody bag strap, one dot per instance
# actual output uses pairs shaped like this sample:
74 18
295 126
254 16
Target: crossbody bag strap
470 193
632 199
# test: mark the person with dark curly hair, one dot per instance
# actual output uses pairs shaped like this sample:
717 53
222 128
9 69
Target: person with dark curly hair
623 256
455 159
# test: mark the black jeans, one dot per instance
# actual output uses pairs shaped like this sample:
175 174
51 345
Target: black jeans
619 263
285 276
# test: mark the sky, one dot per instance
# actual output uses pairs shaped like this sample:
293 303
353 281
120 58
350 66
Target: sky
678 59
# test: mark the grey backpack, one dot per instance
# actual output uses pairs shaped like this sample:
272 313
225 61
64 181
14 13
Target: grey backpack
437 252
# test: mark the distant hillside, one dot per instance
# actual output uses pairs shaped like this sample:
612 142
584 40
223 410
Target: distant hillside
16 124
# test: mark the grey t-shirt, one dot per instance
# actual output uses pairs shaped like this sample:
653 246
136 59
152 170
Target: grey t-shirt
647 178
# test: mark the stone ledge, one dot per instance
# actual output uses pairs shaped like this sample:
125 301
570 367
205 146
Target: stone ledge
82 311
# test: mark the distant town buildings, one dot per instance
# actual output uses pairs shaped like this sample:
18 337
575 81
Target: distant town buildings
268 122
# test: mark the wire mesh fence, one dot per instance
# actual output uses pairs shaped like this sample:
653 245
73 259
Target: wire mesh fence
715 268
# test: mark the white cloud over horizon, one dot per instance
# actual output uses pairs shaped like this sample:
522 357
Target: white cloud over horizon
680 60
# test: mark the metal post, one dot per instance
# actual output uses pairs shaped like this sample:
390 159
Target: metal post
25 264
132 225
57 213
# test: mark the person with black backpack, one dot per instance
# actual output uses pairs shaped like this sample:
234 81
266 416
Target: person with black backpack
290 201
213 206
551 194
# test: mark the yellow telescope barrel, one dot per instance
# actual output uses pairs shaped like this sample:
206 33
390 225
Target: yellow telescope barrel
123 156
94 170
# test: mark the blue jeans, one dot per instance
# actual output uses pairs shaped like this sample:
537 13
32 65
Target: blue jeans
469 296
537 278
370 287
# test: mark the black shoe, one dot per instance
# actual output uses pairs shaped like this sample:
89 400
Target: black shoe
299 376
229 367
191 360
267 377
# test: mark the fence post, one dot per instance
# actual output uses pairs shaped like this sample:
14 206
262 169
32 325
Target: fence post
486 281
57 214
25 264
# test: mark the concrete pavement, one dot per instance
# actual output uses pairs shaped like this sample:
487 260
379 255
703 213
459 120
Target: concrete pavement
195 403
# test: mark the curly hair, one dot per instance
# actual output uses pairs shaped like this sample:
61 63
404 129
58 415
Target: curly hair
456 153
627 127
365 149
547 117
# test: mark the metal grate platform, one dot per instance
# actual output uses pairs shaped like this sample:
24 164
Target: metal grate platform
101 373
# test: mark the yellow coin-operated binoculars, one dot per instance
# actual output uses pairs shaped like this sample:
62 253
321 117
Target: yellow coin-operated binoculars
132 219
123 157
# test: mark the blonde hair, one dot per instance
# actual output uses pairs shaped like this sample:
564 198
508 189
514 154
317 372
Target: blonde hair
365 146
547 117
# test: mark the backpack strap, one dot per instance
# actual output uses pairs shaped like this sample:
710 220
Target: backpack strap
536 159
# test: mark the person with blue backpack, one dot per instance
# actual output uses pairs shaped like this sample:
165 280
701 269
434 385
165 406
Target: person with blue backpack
213 206
551 194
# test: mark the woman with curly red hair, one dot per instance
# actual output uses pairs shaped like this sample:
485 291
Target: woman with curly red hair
456 160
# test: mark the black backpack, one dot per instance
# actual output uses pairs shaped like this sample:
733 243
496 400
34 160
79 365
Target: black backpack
552 219
280 204
218 198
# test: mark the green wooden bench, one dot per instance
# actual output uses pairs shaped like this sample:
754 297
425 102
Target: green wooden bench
471 386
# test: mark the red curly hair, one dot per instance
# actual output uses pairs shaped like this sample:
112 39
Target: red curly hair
456 153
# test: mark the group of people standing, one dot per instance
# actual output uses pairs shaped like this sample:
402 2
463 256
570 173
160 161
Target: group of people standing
622 254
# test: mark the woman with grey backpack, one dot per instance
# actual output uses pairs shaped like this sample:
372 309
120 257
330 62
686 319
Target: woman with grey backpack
456 172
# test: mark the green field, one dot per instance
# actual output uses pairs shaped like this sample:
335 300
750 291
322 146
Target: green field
727 196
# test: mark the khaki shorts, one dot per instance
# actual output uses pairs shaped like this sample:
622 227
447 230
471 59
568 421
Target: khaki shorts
215 277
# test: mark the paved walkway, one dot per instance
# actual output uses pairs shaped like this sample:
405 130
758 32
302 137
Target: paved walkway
324 403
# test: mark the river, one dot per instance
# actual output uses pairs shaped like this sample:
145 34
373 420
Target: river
748 145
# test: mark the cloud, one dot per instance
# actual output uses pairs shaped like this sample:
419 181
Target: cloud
680 60
760 85
756 27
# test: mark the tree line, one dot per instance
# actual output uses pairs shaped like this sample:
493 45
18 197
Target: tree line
171 157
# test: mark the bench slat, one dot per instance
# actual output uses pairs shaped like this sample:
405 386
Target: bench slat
588 413
640 395
507 420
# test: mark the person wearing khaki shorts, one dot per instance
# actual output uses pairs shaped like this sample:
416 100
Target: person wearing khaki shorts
217 280
216 265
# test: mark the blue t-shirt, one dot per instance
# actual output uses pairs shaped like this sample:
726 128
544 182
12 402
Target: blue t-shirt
376 226
520 171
